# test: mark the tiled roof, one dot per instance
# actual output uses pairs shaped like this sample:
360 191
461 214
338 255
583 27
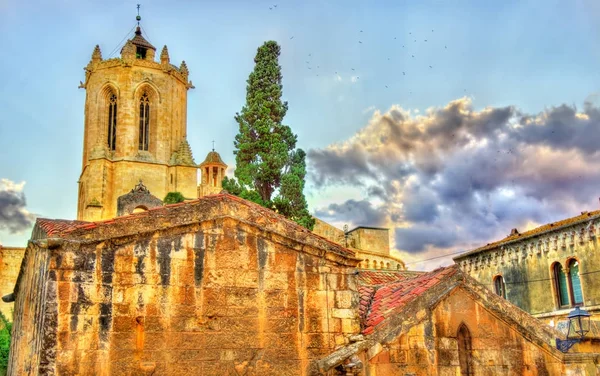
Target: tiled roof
66 228
391 297
379 277
139 40
53 227
213 157
536 231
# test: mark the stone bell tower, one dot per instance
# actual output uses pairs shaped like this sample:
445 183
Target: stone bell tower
213 171
135 128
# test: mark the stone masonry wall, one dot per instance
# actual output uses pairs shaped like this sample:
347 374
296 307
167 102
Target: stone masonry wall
10 263
213 298
431 348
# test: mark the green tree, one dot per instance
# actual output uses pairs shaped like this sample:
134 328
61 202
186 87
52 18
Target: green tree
5 332
269 170
173 198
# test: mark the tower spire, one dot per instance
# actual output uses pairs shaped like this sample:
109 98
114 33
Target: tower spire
138 18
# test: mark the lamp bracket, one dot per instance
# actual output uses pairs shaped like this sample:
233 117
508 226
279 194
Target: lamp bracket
565 345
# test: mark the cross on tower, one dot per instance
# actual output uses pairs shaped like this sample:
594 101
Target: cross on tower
213 145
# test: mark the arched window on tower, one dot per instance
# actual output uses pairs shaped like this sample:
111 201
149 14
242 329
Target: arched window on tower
560 285
575 283
112 122
463 338
499 286
144 122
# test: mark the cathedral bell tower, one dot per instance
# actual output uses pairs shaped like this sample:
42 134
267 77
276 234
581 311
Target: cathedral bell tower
135 128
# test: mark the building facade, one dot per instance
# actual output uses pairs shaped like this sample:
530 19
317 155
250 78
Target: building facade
546 271
222 286
135 128
370 244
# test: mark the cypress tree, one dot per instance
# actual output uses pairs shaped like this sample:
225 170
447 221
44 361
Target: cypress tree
269 170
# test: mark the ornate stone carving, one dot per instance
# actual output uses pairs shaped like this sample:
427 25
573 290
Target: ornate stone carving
183 156
164 57
139 197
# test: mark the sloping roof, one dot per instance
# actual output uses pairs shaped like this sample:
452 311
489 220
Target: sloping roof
54 227
368 280
391 297
379 277
140 41
213 158
188 212
536 231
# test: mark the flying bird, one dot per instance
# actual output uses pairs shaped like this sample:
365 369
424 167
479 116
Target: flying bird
413 55
404 73
292 38
270 8
445 46
409 32
352 68
276 7
425 40
430 66
386 86
361 31
359 42
394 37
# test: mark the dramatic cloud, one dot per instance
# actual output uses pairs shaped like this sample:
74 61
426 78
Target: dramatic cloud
454 178
354 212
13 215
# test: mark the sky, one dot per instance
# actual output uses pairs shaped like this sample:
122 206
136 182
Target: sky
450 123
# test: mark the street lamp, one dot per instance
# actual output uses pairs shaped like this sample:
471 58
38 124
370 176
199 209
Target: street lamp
579 324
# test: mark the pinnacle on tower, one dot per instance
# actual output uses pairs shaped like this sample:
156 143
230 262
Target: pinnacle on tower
183 155
97 54
184 69
164 56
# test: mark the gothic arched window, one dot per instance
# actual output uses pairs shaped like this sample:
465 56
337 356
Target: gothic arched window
112 122
464 351
499 286
144 121
560 285
575 283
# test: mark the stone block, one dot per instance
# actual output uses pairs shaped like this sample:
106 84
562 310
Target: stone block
344 313
345 299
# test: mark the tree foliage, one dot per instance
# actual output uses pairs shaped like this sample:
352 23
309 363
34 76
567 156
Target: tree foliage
173 198
269 170
5 332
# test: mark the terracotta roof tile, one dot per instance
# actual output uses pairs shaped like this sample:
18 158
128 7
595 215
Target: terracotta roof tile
63 227
54 227
379 277
390 297
536 231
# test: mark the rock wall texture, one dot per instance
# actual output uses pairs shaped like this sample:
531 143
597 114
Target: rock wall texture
10 264
496 348
186 289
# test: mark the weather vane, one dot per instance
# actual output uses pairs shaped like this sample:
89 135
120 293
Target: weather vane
138 18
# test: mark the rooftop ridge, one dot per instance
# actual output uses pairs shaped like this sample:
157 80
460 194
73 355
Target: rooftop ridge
540 230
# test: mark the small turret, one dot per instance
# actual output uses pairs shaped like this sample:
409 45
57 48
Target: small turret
164 56
213 172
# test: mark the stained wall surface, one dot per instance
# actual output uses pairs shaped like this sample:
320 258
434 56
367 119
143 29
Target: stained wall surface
212 298
431 347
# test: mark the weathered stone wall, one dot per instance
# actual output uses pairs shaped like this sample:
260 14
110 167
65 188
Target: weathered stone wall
10 264
328 231
212 298
526 267
431 347
374 240
34 313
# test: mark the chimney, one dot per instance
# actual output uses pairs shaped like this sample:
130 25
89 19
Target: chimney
514 231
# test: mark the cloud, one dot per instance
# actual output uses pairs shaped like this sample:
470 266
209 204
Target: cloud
352 211
368 109
454 178
13 215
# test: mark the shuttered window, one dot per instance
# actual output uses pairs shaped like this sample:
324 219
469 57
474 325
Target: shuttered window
575 282
561 285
